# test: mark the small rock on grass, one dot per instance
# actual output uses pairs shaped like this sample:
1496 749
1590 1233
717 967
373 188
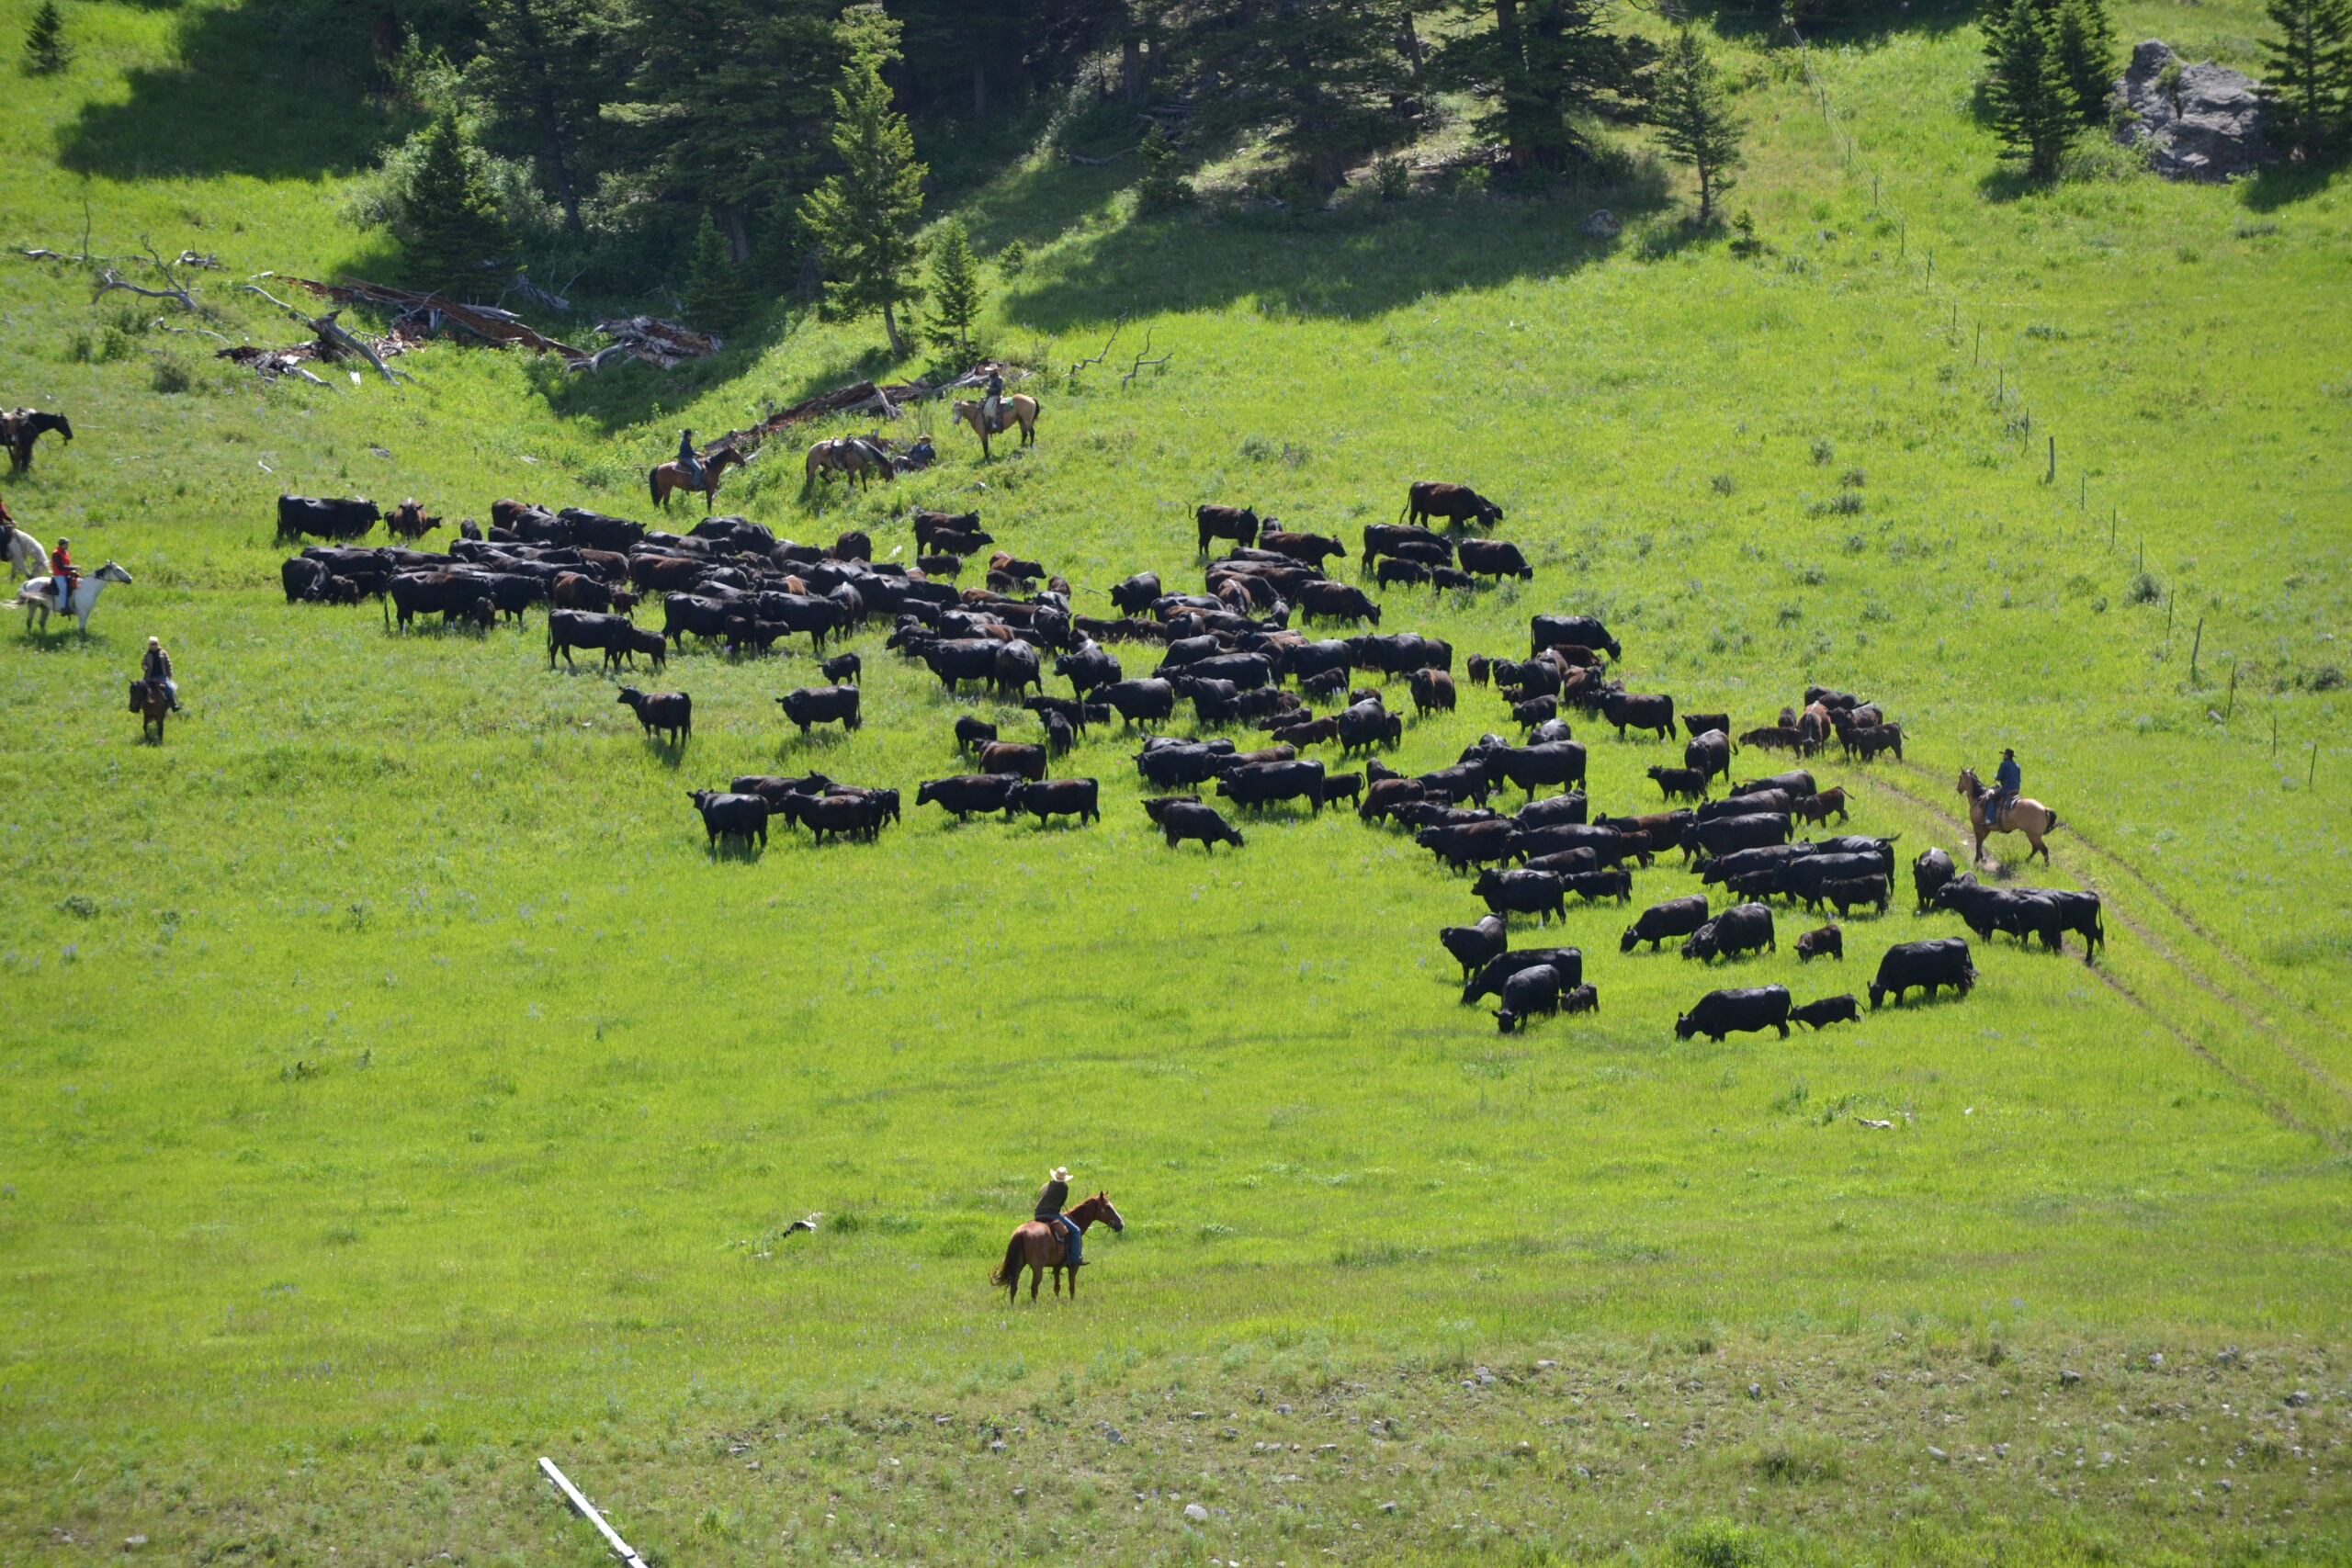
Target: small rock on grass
1195 1513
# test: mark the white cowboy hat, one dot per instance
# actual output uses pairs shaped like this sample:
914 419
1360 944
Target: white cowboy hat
1059 1173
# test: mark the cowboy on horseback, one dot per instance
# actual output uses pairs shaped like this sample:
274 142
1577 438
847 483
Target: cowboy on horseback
993 402
688 464
2008 780
155 669
63 578
1049 1211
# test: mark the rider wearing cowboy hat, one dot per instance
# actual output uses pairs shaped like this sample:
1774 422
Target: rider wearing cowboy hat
1049 1210
2007 780
688 464
156 665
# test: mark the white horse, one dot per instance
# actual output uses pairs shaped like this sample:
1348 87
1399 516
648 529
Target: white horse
35 596
25 553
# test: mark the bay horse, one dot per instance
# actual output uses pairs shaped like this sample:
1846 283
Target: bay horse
2023 815
663 478
1019 409
1038 1247
22 427
153 703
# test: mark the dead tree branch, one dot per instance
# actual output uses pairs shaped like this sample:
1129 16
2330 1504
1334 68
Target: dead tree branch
1098 163
1117 327
334 339
1137 368
191 332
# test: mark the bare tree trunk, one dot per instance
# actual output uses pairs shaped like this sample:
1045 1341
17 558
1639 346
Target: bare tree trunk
1131 68
1514 115
739 237
890 325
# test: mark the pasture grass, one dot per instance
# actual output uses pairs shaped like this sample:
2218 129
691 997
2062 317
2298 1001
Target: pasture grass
395 1088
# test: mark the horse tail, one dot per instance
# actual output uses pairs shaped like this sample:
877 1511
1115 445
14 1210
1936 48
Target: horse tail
653 483
1010 1270
2053 819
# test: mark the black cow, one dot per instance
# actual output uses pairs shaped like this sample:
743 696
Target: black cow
1708 752
1337 602
1688 782
1138 702
1743 928
1342 786
1412 542
1058 797
973 733
1494 558
2079 912
1017 668
1470 844
1827 942
1929 874
1181 819
1531 768
1456 503
1940 961
1676 916
1312 549
629 641
1742 863
1566 961
670 713
1578 631
568 629
1698 724
1237 523
1537 893
744 817
966 794
1184 764
302 578
1594 885
1560 811
1806 876
1820 1014
1257 784
1726 834
324 517
1847 892
1367 726
843 668
1740 1010
599 532
1530 992
1013 757
1473 946
1798 783
808 705
1762 802
1639 711
1607 844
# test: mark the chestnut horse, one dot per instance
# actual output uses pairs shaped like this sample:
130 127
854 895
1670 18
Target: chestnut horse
2023 815
1037 1247
666 477
153 703
1018 409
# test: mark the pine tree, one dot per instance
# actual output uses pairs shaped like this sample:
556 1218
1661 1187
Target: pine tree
2034 110
1326 79
1012 260
1163 187
718 296
864 216
541 74
2310 77
45 48
2087 55
1694 119
449 222
1539 66
955 291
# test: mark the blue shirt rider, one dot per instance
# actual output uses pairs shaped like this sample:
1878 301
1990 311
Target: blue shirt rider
688 464
2007 779
1049 1210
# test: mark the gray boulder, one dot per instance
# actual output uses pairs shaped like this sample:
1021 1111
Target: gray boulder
2197 122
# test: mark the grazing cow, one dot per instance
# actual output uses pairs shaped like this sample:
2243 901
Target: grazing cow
1135 594
1740 1010
1710 752
1238 523
966 794
1458 504
744 817
1675 917
1337 601
597 531
1473 946
1367 726
1537 893
1798 783
1867 742
1323 685
1773 737
1060 735
1184 762
568 629
1535 712
1827 943
1929 874
1386 795
858 815
1464 780
808 706
1818 1015
1818 807
1566 962
1397 569
1464 845
1312 549
1531 768
1445 578
1145 702
302 578
1494 558
1342 786
1940 961
1088 667
1688 782
1743 928
1432 692
1726 834
1308 732
1592 886
1013 757
1849 891
1526 993
1697 724
973 733
1058 797
1398 539
1808 876
1578 631
844 669
1560 811
1565 864
1640 712
1181 819
942 566
577 590
670 713
324 517
1258 784
629 641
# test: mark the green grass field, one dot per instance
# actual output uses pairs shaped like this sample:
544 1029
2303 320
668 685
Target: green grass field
392 1089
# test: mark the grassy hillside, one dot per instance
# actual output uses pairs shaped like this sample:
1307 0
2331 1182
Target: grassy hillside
392 1089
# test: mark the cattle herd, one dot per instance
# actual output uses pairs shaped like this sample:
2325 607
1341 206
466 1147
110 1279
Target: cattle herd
1231 653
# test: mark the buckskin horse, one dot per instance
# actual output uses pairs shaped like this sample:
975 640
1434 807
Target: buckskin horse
852 457
1018 409
1038 1247
2021 815
666 477
21 427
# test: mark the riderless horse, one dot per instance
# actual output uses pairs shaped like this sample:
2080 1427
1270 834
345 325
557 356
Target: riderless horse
21 427
1038 1247
24 554
36 598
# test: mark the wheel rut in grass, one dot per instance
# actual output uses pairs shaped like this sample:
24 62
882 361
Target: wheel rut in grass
2156 947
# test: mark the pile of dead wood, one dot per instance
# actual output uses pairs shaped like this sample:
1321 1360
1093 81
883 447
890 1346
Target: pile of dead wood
858 397
665 344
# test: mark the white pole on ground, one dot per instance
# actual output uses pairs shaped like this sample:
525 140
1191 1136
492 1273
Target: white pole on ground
621 1549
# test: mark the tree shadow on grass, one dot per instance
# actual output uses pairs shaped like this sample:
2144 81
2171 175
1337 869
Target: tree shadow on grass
276 89
630 394
1350 263
1865 22
2277 185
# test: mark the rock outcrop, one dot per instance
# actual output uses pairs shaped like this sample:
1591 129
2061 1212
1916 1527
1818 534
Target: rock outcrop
2198 122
